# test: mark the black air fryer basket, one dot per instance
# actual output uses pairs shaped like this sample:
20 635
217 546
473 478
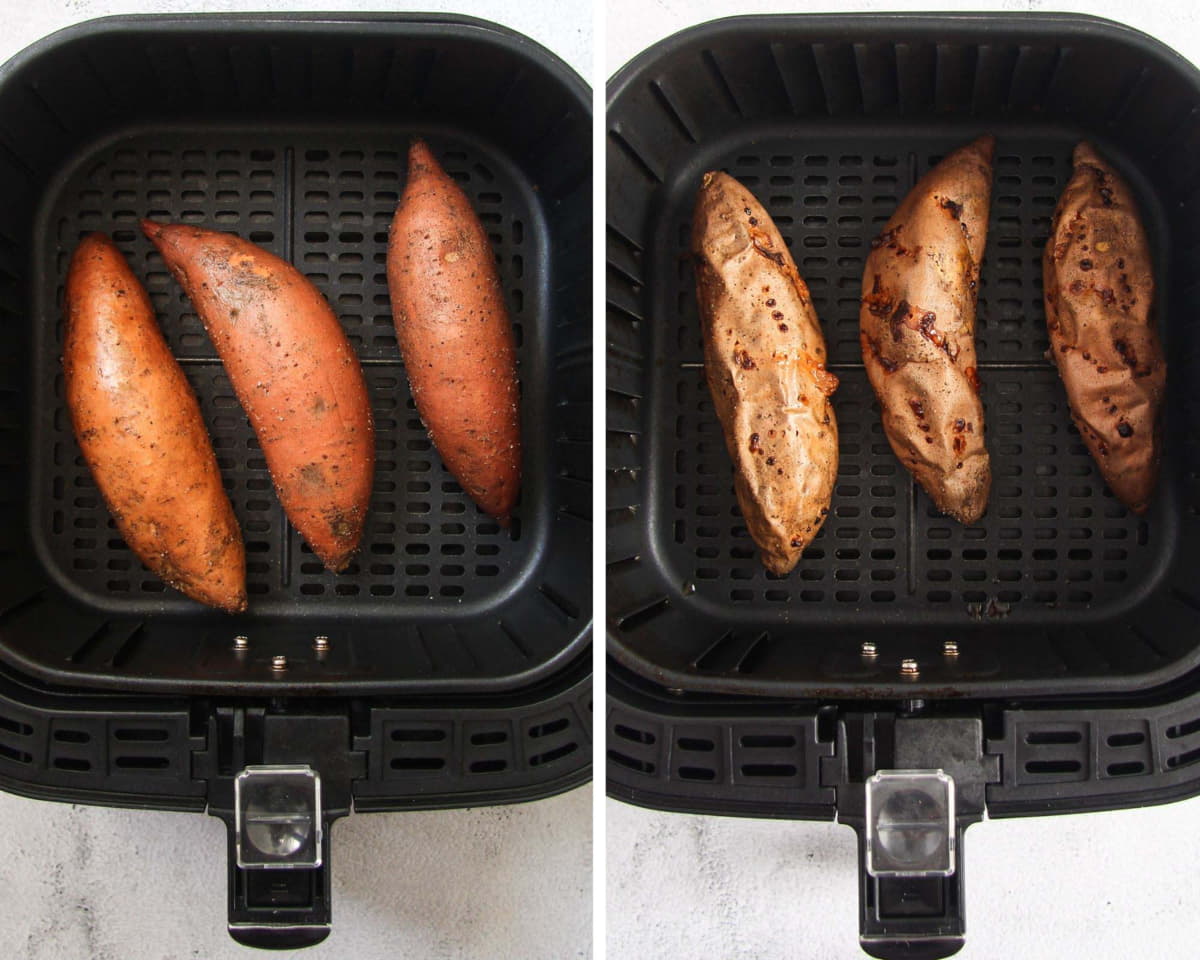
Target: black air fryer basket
449 665
1043 660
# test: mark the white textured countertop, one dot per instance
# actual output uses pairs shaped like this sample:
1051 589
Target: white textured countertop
90 883
1105 886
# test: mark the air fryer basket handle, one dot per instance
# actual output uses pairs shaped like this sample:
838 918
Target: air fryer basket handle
907 917
911 918
279 909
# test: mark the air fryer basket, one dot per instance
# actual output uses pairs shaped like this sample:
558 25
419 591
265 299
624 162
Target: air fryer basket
471 642
735 691
296 138
1059 587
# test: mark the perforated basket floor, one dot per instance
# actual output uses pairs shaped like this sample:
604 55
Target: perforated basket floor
314 202
1058 586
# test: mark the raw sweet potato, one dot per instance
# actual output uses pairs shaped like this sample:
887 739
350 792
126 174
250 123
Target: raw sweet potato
917 326
295 373
141 433
1098 285
764 359
455 335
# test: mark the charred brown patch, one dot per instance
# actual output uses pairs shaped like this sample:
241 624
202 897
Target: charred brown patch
896 320
743 359
1128 354
952 208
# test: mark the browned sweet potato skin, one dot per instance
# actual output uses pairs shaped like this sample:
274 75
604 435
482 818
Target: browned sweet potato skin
917 323
141 433
764 359
1098 284
295 373
455 335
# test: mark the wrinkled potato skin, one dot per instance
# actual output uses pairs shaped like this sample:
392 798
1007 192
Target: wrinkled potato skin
455 335
764 359
917 323
141 433
295 374
1099 289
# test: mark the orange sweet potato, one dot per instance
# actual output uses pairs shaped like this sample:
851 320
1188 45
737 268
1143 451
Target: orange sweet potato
455 335
295 373
141 433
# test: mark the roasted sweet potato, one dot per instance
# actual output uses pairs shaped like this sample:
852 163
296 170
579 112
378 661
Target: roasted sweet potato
764 359
295 374
454 334
141 433
917 325
1098 284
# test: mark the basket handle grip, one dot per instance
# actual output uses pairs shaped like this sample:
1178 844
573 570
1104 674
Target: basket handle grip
279 909
911 918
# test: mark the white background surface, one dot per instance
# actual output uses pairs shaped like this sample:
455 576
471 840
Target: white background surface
87 883
1097 886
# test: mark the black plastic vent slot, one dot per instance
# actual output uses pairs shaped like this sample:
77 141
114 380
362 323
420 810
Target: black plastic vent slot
142 763
1183 759
635 736
141 735
1046 737
1053 766
768 770
418 763
1183 729
551 728
419 736
17 756
550 756
631 763
15 726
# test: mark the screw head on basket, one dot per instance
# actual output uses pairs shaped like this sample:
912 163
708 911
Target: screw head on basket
320 643
950 648
909 667
279 662
869 649
241 643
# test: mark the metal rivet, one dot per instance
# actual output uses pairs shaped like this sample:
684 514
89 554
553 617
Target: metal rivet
241 643
320 643
909 668
279 662
950 648
869 649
